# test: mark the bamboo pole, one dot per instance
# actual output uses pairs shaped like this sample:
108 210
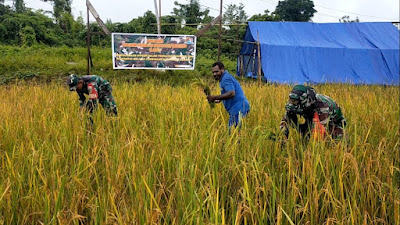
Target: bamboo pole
259 59
238 50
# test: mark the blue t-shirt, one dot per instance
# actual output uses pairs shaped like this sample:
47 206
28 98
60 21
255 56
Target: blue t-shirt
239 102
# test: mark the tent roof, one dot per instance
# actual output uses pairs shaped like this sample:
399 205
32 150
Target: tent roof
382 35
312 52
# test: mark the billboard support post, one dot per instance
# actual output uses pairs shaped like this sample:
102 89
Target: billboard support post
105 30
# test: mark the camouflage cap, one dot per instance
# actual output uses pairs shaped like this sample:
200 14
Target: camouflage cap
305 95
72 82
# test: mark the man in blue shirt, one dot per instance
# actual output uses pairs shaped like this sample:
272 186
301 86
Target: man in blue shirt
231 95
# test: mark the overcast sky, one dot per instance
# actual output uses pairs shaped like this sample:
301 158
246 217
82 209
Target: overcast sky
328 10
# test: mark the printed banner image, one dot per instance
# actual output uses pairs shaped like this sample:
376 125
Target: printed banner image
153 51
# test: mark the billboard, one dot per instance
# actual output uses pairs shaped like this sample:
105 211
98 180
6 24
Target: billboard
153 51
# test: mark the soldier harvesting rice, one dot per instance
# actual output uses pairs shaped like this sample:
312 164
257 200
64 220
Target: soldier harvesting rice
322 115
98 90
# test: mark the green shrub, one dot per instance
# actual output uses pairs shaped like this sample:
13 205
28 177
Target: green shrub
28 36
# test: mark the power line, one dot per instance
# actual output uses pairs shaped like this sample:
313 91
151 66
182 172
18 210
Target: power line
276 3
209 7
270 2
352 12
319 13
199 24
323 14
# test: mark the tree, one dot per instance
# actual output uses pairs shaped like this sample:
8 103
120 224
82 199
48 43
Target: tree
62 13
60 7
149 22
295 10
346 19
172 24
143 24
191 13
19 6
44 29
267 16
234 14
3 33
5 9
28 36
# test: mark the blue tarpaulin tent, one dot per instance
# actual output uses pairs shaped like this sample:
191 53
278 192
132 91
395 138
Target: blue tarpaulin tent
299 52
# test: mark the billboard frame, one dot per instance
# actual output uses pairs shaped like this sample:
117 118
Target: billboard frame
153 35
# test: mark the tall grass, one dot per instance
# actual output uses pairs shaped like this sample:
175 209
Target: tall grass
168 159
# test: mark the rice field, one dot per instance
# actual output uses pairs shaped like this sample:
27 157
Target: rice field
168 159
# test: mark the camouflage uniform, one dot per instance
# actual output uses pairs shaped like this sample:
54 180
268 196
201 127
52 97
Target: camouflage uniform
329 113
99 90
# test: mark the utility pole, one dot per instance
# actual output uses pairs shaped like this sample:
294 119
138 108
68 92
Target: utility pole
157 16
88 43
220 31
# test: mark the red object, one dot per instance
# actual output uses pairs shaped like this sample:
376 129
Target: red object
92 91
318 131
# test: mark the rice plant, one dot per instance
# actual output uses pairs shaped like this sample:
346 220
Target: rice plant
168 159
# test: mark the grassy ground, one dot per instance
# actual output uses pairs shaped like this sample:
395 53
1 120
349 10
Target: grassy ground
168 159
45 64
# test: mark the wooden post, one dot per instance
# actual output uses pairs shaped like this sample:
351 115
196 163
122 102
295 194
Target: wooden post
88 43
259 59
237 37
91 9
97 17
208 26
241 65
220 32
248 61
238 48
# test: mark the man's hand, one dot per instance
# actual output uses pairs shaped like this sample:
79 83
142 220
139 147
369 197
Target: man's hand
212 98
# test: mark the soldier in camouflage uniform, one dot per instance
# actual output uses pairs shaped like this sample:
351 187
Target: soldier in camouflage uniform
98 89
304 101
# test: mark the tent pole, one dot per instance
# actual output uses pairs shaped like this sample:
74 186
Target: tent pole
241 65
248 61
238 49
237 38
259 60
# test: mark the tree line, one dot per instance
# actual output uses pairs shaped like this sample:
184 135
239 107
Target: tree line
24 26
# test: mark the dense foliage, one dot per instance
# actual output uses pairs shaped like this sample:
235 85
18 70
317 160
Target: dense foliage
25 27
295 10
